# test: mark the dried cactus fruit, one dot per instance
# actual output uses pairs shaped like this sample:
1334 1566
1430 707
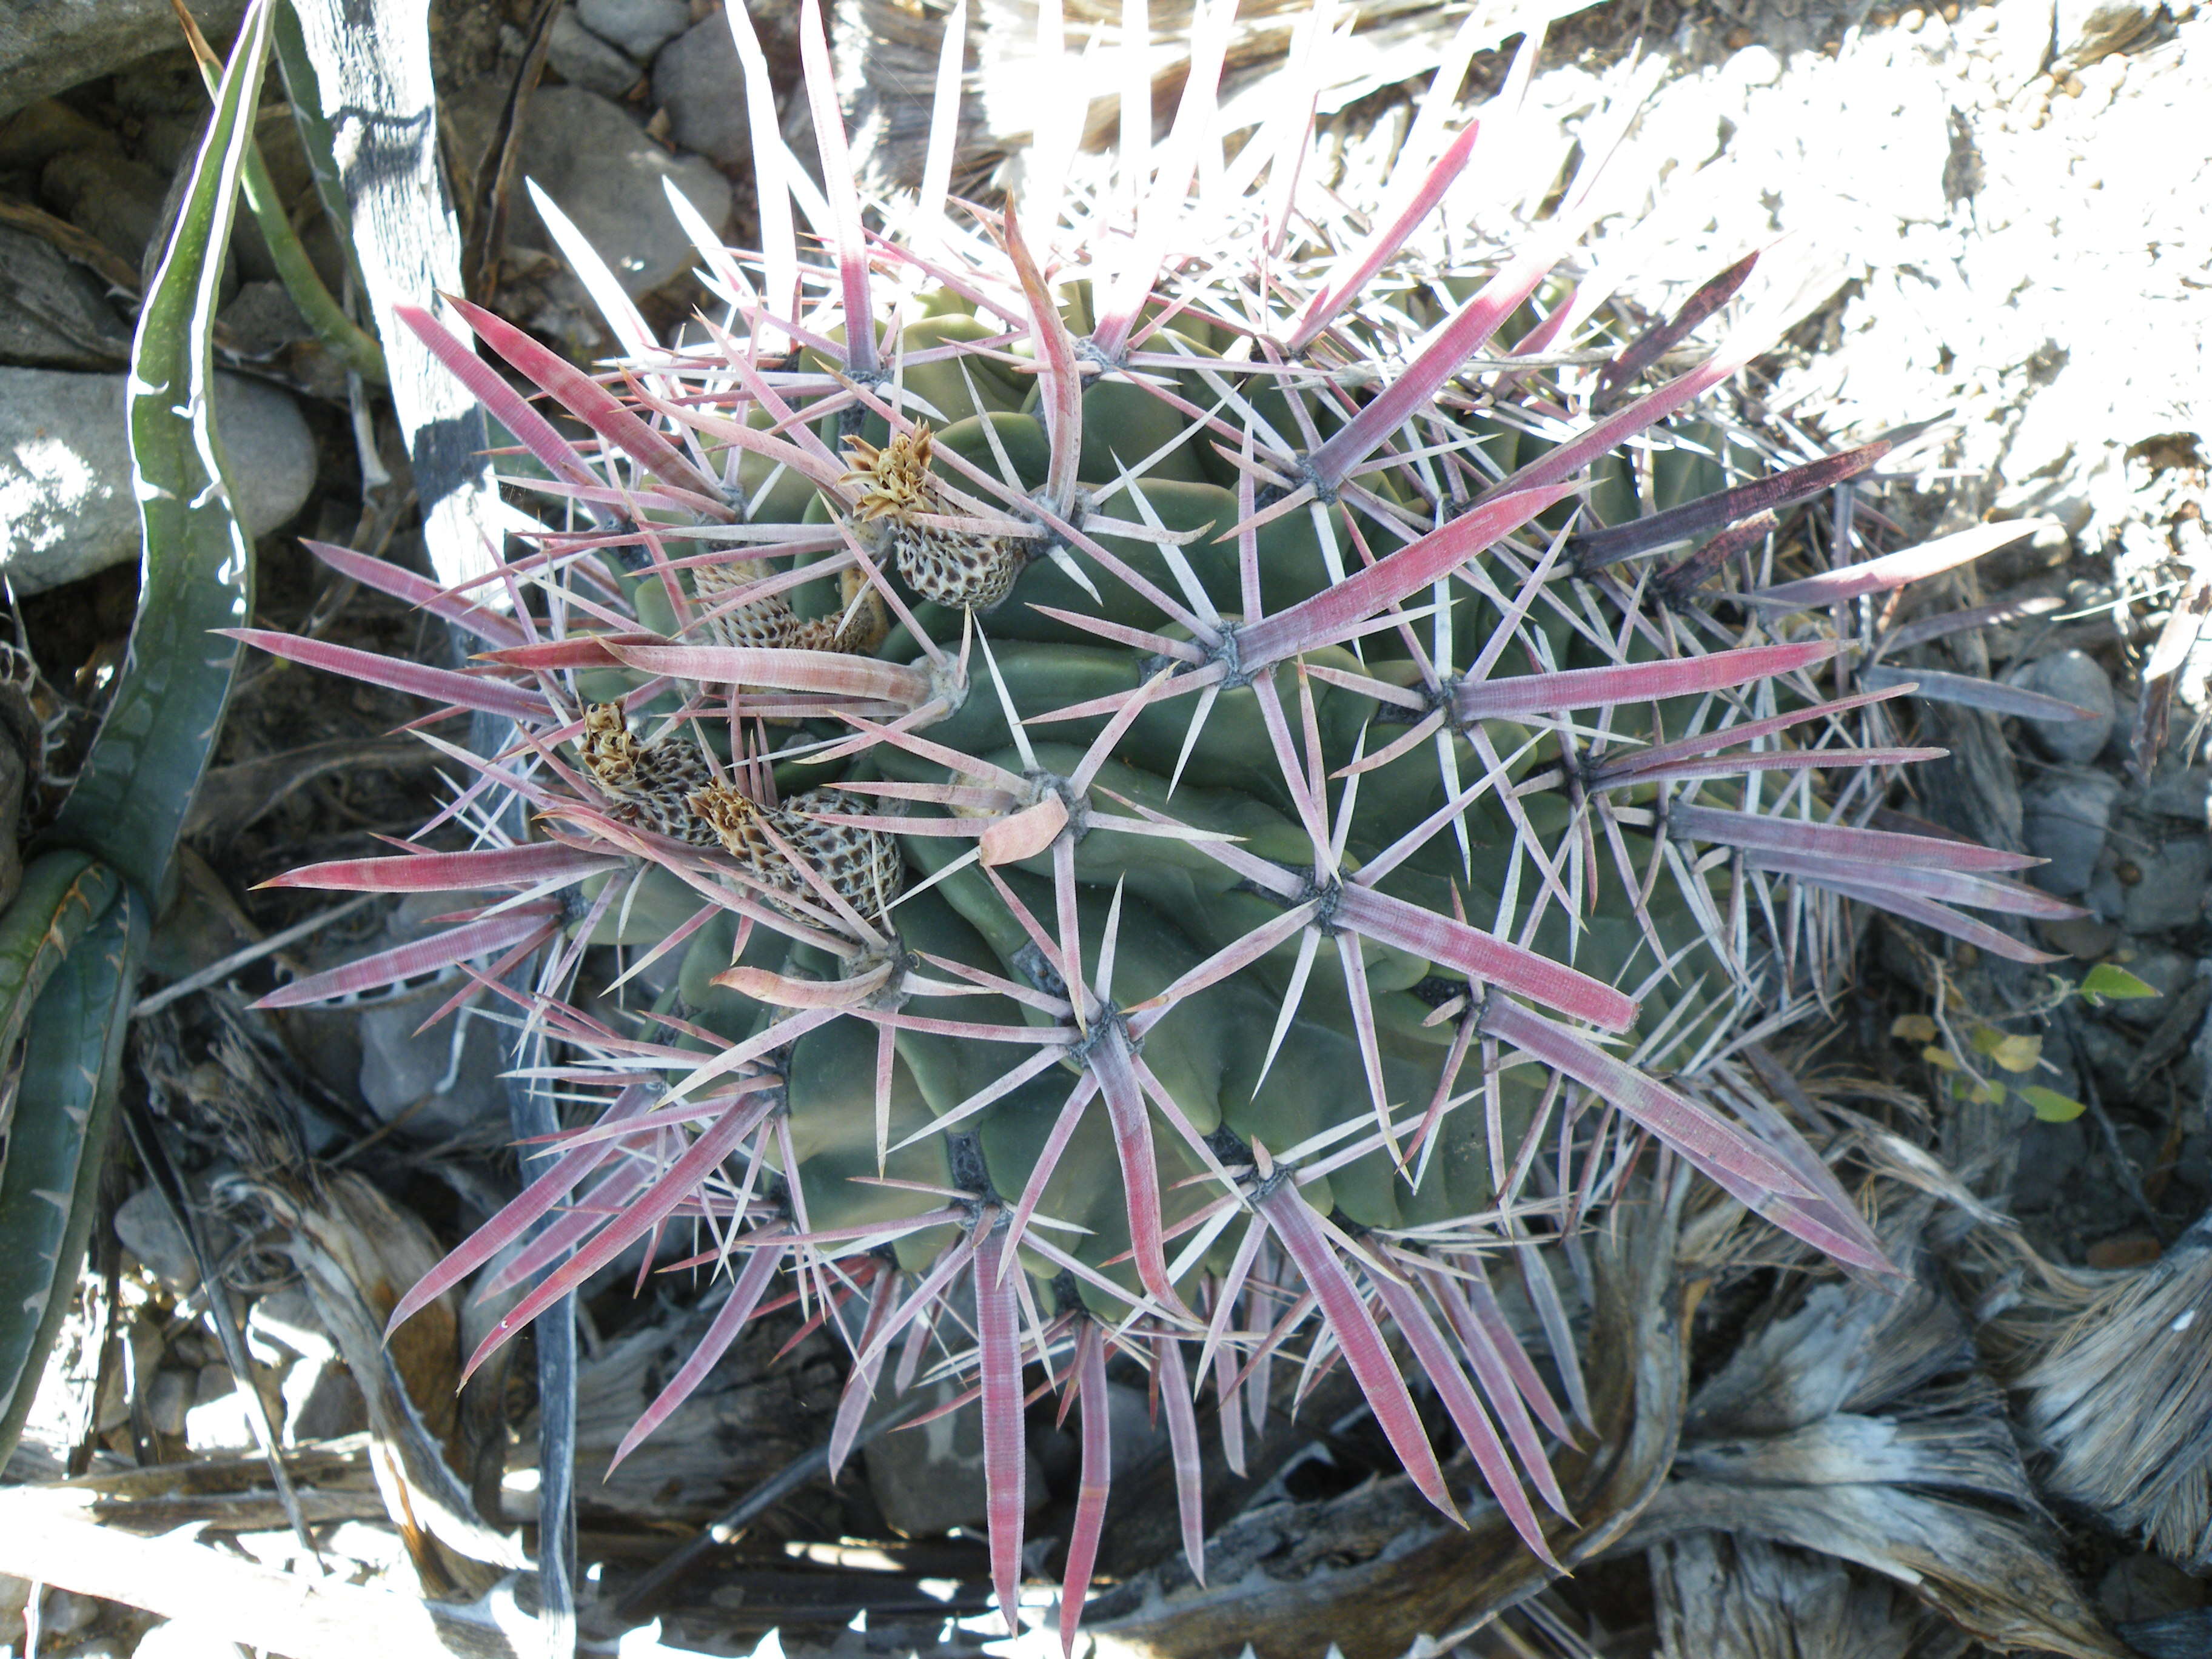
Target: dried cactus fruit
897 496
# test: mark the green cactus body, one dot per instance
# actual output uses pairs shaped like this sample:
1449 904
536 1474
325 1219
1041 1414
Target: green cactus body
1189 825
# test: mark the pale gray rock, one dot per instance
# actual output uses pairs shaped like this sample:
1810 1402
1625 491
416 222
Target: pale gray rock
35 134
107 195
221 1416
262 321
168 1398
2065 816
53 314
66 508
600 169
2169 889
700 87
2071 677
149 1231
65 1613
50 46
2182 793
2050 1153
582 59
640 27
446 1078
928 1479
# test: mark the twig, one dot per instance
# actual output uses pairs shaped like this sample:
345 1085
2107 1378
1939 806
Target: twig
2122 1165
72 243
146 1137
216 972
725 1528
42 1541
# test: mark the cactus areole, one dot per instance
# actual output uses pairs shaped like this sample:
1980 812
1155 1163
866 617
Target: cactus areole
1111 819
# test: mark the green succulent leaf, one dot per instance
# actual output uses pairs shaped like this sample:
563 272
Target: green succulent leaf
2109 980
64 1108
196 569
62 894
2050 1105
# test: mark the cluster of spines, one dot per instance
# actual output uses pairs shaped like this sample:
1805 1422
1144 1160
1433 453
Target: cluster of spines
821 869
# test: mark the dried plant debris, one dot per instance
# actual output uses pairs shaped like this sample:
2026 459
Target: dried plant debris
1859 1425
1375 1568
1719 1596
2119 1396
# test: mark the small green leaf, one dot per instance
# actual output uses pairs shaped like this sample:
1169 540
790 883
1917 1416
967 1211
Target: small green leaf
196 569
64 1108
1913 1028
2110 980
2050 1105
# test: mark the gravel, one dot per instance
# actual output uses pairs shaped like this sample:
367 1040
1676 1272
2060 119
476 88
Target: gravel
2024 250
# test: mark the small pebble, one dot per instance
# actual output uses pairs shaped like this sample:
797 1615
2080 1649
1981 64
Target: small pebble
640 27
2065 816
168 1398
2168 890
2085 938
582 59
695 81
2072 677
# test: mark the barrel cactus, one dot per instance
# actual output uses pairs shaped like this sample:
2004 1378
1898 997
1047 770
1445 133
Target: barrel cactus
1130 787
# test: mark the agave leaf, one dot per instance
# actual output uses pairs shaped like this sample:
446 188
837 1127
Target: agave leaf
344 338
196 570
62 894
57 1139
